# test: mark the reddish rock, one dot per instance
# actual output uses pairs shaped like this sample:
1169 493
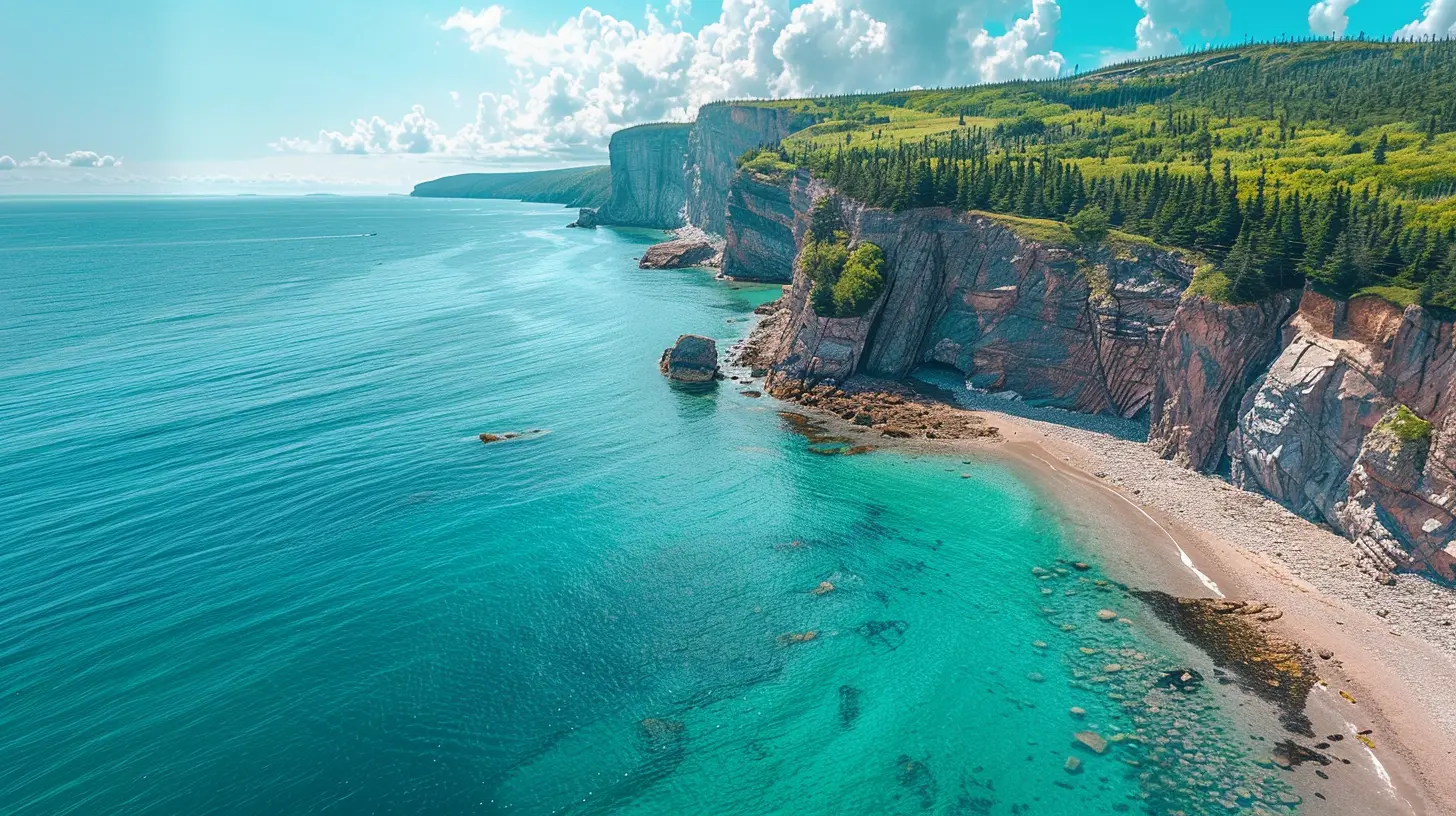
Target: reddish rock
1203 369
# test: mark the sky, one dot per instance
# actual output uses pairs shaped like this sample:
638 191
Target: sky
287 97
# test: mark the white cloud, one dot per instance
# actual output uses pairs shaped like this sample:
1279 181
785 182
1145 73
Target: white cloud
1329 17
1439 21
413 133
87 158
76 158
577 83
1165 22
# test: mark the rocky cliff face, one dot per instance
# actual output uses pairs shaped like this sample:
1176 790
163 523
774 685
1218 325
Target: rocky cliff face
649 186
1302 394
1206 362
722 134
1012 313
759 230
1310 433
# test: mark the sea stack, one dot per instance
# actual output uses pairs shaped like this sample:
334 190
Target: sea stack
692 359
586 218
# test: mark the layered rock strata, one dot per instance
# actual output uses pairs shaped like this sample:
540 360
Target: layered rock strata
720 136
1315 432
1057 327
758 230
649 187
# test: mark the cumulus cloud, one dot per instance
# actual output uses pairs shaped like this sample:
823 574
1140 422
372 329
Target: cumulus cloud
88 158
1438 21
577 83
76 158
1165 22
413 133
1329 17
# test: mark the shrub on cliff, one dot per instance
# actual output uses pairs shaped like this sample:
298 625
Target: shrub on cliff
1406 425
765 161
846 282
826 220
861 282
822 261
1090 225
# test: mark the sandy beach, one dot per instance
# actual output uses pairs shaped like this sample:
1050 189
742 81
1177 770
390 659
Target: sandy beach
1386 655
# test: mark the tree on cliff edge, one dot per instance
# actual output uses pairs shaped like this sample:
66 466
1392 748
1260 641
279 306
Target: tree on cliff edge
1090 226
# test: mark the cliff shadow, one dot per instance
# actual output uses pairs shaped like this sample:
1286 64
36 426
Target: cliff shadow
948 385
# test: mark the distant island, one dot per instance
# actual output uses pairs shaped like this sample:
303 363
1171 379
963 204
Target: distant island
571 187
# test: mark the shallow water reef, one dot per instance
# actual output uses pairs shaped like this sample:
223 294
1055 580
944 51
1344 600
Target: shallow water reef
1232 634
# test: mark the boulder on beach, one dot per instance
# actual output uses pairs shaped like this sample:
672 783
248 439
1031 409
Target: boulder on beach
692 359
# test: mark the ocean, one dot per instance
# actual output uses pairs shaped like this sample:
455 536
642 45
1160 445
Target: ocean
255 559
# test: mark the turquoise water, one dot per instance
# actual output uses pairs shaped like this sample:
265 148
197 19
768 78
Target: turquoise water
256 561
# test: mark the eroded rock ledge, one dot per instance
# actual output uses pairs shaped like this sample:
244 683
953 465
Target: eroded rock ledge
690 247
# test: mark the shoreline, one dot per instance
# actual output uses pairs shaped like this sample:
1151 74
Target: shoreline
1172 529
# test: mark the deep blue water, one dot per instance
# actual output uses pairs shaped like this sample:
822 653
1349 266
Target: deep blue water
253 558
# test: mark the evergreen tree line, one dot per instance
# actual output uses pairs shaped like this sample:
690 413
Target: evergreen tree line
1264 239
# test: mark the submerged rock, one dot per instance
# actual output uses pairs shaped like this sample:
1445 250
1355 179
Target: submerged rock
848 705
790 638
657 730
1232 633
1180 680
692 359
1092 740
488 438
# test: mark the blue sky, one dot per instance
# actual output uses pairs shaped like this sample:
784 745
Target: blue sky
196 96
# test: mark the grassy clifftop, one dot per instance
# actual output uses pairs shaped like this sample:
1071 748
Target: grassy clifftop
571 187
1326 161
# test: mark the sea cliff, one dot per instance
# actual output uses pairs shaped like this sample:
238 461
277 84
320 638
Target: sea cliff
1297 396
648 187
720 136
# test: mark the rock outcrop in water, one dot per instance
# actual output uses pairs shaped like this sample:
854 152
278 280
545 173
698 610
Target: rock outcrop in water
691 247
692 359
586 218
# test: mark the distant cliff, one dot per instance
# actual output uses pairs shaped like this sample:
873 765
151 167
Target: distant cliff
570 187
660 176
721 135
649 188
